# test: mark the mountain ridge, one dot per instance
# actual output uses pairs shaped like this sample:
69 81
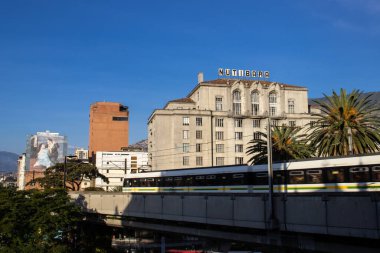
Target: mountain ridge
8 161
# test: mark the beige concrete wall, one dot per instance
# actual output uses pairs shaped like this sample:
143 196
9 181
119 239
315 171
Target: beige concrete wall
165 127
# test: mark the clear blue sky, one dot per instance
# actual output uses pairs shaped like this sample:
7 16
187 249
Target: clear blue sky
58 57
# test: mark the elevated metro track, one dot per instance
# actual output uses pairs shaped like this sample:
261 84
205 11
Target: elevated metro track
322 222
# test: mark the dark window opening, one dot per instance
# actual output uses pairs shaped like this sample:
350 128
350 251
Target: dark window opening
123 108
120 118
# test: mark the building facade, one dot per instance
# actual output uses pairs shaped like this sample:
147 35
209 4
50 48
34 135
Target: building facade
109 127
81 154
214 123
21 165
43 150
115 165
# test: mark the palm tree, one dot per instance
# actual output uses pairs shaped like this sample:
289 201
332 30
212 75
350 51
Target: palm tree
287 144
346 118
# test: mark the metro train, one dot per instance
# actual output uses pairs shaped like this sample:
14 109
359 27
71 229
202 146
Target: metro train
335 174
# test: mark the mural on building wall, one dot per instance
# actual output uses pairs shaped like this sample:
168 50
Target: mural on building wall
46 149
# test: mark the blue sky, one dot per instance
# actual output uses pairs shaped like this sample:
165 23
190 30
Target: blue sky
58 57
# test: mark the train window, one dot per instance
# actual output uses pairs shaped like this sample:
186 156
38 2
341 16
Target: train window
150 182
222 179
143 182
178 181
168 182
211 177
199 181
211 180
314 176
296 177
359 174
335 175
159 182
239 179
261 178
189 181
127 183
136 182
279 177
376 173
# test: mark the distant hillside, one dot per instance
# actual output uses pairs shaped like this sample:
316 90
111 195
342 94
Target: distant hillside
140 145
375 96
8 161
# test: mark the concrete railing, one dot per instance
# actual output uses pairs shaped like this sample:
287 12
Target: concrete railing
352 215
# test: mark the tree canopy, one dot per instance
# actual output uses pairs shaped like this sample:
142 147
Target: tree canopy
37 221
76 172
287 143
344 116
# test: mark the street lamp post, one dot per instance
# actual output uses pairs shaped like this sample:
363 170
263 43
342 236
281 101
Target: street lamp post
272 215
65 169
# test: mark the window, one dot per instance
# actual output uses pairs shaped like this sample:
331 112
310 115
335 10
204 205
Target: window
291 106
238 122
261 178
272 98
185 160
272 110
218 103
256 123
123 108
314 176
359 174
219 122
255 103
198 134
272 104
219 161
292 123
219 135
185 134
198 147
256 135
198 121
296 177
219 148
199 160
120 118
186 121
238 135
239 160
185 147
236 102
335 175
376 173
239 148
275 123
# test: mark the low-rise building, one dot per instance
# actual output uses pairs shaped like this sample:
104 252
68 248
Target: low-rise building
81 154
115 165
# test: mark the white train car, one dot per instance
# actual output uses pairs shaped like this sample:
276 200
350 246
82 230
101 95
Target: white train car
335 174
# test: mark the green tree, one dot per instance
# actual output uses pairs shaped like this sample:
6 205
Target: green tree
37 221
287 143
344 116
76 171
